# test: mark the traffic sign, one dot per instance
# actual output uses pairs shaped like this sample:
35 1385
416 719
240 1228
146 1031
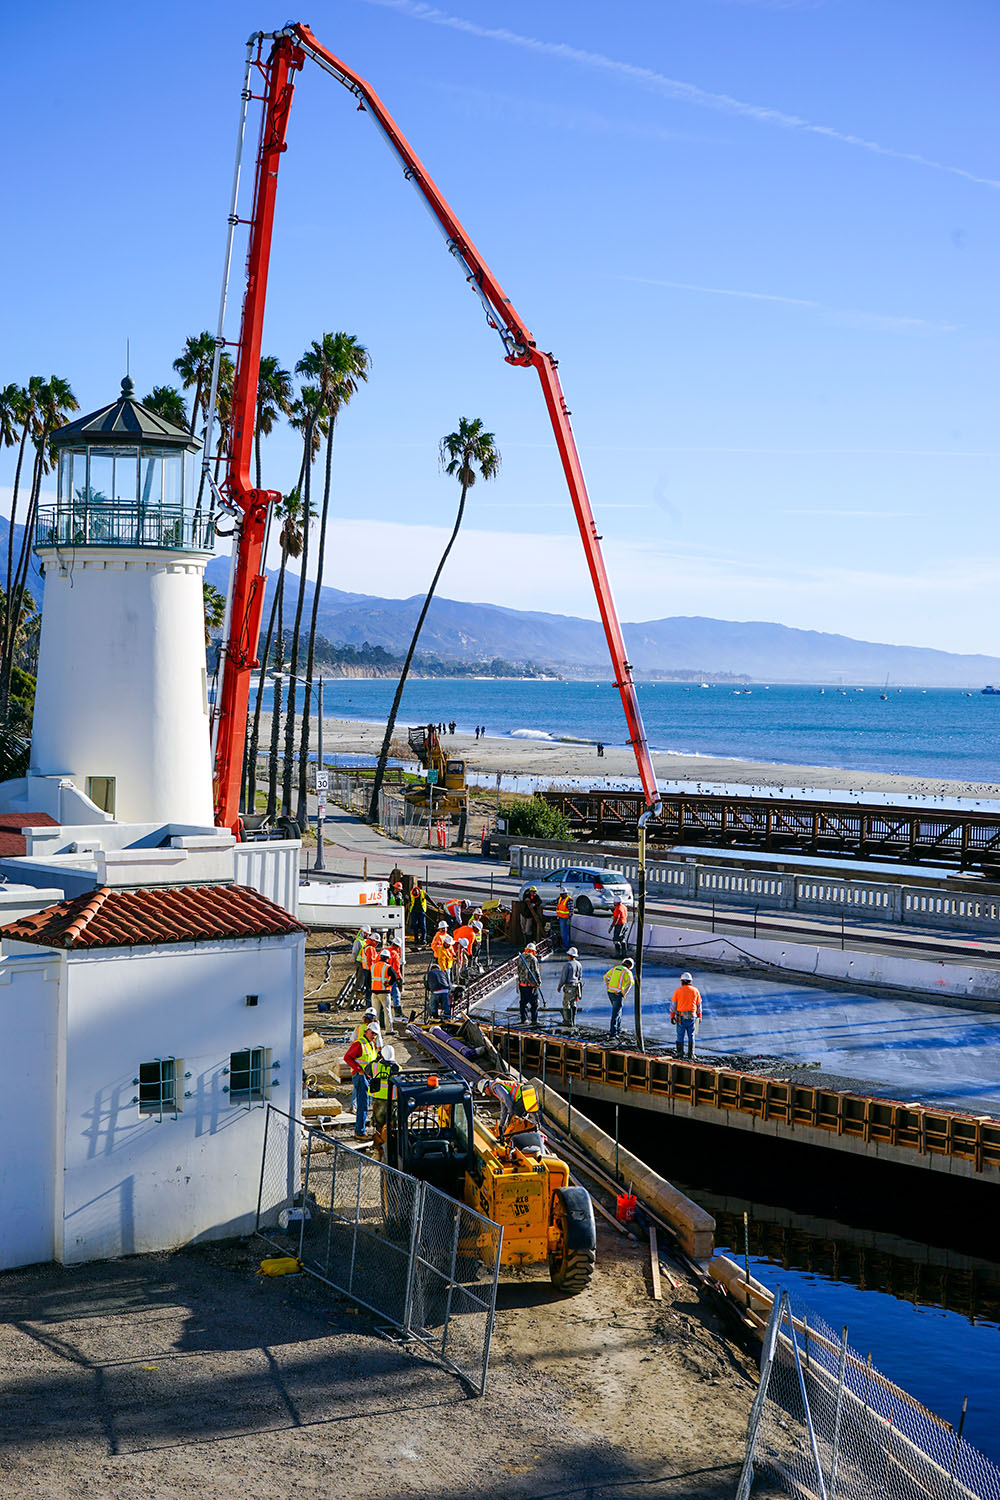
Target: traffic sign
322 781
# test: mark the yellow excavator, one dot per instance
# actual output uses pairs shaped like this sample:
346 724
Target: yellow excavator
502 1169
444 791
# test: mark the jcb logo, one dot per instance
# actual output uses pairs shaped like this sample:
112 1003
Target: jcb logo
521 1207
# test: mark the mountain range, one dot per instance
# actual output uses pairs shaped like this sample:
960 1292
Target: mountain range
761 650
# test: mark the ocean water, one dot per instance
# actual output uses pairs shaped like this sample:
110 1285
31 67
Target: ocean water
937 733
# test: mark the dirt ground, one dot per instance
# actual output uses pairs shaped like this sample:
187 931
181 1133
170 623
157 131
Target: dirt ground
189 1375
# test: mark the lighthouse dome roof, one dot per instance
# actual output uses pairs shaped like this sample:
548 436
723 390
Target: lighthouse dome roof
128 423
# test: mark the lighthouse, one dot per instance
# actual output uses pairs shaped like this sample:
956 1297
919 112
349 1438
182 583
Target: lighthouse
121 704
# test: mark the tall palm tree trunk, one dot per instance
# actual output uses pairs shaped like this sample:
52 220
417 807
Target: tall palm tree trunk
279 662
15 598
301 811
13 516
394 710
293 666
250 779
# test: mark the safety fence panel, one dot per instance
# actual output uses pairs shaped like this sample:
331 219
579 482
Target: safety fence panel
826 1423
411 1255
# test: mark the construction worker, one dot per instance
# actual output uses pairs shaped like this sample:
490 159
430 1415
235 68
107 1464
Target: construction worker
373 946
571 985
456 909
517 1101
529 982
377 1073
358 952
564 914
619 922
476 946
396 963
418 913
396 893
438 985
618 981
382 978
466 931
685 1013
438 940
363 1050
370 1018
532 915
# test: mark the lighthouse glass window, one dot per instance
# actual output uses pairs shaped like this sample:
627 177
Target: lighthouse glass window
125 465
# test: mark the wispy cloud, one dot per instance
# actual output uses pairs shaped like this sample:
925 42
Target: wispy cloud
884 515
850 316
506 107
671 88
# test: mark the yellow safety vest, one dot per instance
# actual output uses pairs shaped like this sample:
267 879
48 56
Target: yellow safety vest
619 980
564 906
380 1083
369 1051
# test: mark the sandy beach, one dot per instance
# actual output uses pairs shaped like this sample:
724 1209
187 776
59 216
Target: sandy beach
518 760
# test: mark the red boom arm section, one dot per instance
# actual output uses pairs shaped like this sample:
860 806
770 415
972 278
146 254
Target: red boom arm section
290 47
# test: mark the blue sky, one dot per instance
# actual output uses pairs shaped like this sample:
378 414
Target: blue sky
761 236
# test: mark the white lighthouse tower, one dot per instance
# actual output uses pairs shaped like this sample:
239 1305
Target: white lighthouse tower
121 702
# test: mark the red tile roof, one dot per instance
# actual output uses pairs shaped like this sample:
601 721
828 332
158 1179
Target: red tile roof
12 841
138 918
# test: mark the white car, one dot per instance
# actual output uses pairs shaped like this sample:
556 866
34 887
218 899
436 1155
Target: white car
592 889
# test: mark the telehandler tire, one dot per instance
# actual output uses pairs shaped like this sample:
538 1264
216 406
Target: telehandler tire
572 1262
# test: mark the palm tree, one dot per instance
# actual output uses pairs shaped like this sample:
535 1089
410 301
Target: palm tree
289 513
26 407
55 401
274 400
461 454
215 609
194 366
337 362
168 403
309 416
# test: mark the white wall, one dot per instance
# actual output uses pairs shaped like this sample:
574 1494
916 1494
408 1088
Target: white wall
121 687
30 1116
134 1183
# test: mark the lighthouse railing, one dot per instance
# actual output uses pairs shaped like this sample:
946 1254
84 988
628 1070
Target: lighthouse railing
113 523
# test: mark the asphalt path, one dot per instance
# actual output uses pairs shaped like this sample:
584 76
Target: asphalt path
353 848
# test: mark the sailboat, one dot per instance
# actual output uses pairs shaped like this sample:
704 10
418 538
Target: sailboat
884 694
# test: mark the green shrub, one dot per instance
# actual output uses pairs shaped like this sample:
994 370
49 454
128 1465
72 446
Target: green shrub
536 820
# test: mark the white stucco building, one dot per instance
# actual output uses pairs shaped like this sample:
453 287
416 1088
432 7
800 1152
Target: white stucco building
144 1031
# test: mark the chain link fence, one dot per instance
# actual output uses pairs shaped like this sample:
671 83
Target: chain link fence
826 1423
424 1262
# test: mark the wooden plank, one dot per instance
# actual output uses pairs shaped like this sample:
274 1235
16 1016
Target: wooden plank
654 1264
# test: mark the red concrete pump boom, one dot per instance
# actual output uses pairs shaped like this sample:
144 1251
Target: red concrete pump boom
290 47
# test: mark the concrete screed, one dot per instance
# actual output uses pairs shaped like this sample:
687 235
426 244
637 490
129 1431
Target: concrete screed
938 1054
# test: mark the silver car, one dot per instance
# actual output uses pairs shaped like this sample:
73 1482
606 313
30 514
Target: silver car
591 889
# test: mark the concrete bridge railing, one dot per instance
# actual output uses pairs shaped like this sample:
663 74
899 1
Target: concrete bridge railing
956 910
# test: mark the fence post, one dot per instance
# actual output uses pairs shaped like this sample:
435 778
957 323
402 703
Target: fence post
841 1376
451 1278
757 1409
493 1304
416 1224
806 1407
263 1164
305 1195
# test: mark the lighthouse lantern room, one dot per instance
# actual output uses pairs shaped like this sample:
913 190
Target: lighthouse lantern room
121 703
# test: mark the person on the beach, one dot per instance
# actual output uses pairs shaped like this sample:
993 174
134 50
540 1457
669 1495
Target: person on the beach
600 749
685 1013
571 985
529 982
618 982
564 914
619 922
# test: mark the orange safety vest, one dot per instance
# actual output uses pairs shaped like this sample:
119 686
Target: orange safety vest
438 943
381 976
564 906
619 916
469 933
686 1000
370 954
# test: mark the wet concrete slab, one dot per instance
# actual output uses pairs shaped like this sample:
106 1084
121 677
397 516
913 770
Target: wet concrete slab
917 1049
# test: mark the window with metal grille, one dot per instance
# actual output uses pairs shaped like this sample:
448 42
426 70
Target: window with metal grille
158 1086
247 1074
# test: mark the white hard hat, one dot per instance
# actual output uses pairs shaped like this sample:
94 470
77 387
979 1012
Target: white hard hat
366 931
572 953
686 978
628 964
384 953
449 940
389 1053
442 927
463 942
371 1014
